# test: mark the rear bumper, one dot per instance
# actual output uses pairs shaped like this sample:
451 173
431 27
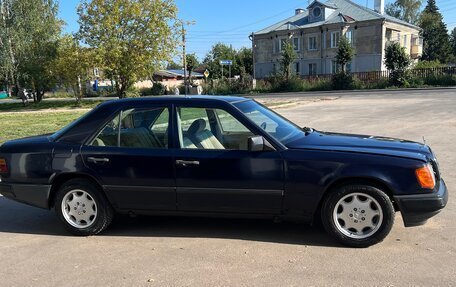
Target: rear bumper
417 209
35 195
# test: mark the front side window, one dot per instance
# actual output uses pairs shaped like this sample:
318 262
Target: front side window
215 129
275 125
136 128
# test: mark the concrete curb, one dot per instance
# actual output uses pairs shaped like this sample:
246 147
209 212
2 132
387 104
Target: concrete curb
313 93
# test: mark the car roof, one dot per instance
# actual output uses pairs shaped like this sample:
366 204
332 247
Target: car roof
178 99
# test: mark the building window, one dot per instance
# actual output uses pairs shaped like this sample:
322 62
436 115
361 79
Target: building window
405 40
348 67
283 42
316 12
296 43
335 37
349 36
335 67
312 46
297 68
312 69
399 37
276 46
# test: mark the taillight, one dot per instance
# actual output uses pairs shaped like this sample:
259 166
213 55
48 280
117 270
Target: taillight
425 176
3 166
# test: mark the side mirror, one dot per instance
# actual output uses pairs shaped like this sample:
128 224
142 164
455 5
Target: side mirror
259 143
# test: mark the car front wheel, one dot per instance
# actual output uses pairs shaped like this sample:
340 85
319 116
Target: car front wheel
83 208
358 215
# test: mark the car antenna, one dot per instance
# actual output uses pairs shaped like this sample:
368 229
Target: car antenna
424 140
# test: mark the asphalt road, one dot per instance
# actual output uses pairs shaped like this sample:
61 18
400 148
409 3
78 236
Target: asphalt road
36 251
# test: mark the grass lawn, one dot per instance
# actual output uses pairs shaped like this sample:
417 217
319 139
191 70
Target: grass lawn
62 104
18 125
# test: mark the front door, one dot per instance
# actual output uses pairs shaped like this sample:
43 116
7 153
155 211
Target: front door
131 158
215 172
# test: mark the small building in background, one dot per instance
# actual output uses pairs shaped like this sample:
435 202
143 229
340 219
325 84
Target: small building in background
168 78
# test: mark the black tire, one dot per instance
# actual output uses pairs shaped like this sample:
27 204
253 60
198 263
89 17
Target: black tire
104 211
336 229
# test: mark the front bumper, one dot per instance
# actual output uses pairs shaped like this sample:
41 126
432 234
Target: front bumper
418 208
35 195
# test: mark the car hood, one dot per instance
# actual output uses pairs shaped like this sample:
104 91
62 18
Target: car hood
362 144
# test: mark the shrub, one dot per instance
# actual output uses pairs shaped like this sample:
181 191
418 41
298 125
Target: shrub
158 89
344 81
440 80
428 64
132 93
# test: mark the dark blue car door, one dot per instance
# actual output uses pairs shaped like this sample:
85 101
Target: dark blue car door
215 172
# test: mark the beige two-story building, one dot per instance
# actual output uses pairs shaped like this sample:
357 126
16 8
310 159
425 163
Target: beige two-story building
315 33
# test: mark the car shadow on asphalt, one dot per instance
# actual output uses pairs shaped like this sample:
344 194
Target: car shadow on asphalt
22 219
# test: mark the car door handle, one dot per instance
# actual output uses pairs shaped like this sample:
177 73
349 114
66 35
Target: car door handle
185 163
97 160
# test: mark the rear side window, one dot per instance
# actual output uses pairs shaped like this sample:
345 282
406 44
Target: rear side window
136 128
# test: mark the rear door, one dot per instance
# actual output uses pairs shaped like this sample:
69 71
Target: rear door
131 157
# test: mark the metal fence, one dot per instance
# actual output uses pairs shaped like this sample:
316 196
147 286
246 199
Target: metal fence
375 76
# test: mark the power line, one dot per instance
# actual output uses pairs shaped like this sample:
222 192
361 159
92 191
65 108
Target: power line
256 22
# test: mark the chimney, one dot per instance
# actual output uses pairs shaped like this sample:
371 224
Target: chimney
299 11
379 6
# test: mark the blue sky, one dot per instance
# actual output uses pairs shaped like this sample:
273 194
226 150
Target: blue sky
231 21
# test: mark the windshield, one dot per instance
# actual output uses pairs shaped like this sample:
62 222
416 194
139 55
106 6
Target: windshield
274 124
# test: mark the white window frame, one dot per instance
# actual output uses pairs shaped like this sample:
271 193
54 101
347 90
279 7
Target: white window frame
313 70
335 39
298 48
297 68
309 46
405 41
350 36
335 67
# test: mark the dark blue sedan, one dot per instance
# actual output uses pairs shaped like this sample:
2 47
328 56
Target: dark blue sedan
223 156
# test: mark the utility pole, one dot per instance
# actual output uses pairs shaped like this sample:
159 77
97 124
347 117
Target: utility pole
184 55
252 38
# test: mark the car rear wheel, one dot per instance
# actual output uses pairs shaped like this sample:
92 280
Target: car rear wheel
83 208
358 215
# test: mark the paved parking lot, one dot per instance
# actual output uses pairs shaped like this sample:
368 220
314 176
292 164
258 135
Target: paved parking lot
36 251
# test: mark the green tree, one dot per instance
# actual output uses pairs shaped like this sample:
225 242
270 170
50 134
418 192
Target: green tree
397 61
288 56
435 34
73 64
133 38
406 10
173 65
344 54
192 64
244 60
220 51
453 41
28 42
